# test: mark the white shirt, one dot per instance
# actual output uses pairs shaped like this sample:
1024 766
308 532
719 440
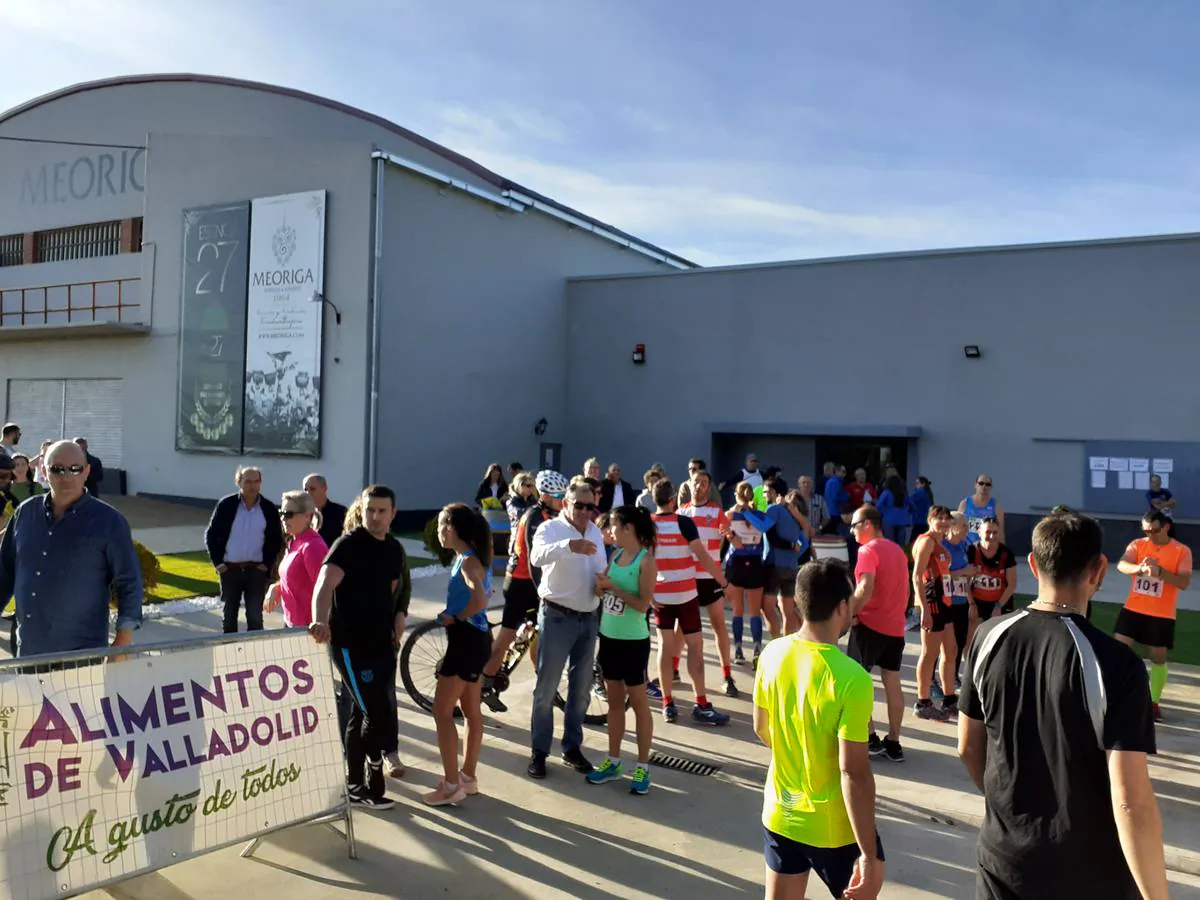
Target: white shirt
618 495
245 542
568 579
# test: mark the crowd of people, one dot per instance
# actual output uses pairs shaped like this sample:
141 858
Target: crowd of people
1054 718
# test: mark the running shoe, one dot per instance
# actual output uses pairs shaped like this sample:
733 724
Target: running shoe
935 688
893 750
608 771
491 699
929 711
653 691
372 802
708 715
670 714
738 655
875 745
444 795
392 766
469 785
950 707
731 689
1155 712
577 761
641 781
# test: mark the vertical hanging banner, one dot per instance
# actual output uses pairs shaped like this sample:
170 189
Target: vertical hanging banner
283 339
212 331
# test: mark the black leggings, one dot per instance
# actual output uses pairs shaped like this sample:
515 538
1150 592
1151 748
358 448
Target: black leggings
370 680
960 619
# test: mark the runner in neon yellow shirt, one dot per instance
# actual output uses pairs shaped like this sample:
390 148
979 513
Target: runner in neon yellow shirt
812 707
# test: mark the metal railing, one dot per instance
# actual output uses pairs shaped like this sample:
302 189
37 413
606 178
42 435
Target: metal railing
88 302
77 242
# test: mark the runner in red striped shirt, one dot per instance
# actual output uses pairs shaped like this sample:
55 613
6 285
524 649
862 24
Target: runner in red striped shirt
713 524
678 551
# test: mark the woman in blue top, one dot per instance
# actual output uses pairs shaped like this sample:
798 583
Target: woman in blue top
468 647
896 510
745 569
961 571
979 506
921 499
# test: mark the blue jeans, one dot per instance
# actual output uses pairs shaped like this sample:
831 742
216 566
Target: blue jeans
564 641
897 533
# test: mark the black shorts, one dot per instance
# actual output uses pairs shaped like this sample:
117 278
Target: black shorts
624 660
467 652
833 865
746 572
708 591
686 614
988 607
520 602
869 649
1149 631
941 615
782 580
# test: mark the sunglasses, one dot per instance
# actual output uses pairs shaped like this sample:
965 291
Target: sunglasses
984 483
557 496
1151 531
287 514
66 470
854 525
584 507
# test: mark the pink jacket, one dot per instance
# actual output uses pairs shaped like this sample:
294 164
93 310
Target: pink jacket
298 577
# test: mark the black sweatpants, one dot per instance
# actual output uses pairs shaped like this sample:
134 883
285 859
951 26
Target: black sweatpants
250 583
370 680
960 619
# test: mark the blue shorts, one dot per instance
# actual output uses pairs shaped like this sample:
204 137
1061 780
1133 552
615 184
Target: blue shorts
833 865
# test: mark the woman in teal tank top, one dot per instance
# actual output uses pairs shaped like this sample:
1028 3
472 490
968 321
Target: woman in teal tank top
624 653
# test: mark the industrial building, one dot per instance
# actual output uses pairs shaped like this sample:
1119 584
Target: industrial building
198 272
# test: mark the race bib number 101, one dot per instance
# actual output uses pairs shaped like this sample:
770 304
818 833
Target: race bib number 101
1147 586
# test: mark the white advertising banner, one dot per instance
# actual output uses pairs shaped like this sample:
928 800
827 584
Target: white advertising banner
118 768
283 325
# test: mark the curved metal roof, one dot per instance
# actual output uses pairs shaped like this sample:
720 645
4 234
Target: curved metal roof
456 158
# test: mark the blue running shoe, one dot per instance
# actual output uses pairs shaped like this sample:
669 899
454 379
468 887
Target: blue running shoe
708 715
935 689
670 713
653 691
641 781
608 771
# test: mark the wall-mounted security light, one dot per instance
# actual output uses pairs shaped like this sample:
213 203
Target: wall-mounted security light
540 428
972 351
318 297
639 355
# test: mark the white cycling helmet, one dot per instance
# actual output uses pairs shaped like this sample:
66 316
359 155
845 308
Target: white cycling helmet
550 482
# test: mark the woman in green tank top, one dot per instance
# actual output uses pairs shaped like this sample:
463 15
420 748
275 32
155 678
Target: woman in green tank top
624 653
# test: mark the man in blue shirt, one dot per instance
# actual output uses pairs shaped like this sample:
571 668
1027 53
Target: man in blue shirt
836 499
787 540
62 555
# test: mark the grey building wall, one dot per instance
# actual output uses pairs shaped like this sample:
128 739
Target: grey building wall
1082 341
474 335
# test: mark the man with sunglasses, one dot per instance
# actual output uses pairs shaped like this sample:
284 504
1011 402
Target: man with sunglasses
1160 567
569 551
244 540
979 506
62 555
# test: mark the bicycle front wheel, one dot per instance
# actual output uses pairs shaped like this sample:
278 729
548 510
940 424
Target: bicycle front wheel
419 658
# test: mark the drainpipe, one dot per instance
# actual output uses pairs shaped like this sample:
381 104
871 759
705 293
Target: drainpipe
376 304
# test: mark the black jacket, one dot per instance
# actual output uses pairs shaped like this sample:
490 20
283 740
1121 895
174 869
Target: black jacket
333 518
216 535
95 475
608 490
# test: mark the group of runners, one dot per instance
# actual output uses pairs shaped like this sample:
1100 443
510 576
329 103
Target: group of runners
637 571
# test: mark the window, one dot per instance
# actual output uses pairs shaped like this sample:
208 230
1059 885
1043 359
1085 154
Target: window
77 242
12 250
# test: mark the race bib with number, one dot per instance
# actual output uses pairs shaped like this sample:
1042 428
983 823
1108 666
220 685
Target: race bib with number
749 535
960 586
1147 586
613 605
988 582
947 586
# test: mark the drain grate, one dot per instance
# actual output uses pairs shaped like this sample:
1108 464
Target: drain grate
679 764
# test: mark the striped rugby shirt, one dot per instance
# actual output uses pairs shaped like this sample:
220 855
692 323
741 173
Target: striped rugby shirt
676 582
709 520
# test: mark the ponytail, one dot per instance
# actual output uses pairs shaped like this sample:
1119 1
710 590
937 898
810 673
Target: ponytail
472 529
641 520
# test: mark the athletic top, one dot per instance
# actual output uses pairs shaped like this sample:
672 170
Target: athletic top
709 519
522 540
992 581
617 620
754 479
783 536
750 527
976 514
458 595
958 560
936 576
1055 695
676 581
814 695
1153 596
1160 494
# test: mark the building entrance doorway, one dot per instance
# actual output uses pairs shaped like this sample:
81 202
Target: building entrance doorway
872 454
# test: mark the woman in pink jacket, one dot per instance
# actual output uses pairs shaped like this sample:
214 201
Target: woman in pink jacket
301 560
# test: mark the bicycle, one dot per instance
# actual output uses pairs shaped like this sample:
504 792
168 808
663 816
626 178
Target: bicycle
426 645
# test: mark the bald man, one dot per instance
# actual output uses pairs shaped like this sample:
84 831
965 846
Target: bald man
62 555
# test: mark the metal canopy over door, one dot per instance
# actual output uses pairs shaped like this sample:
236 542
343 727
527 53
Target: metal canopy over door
53 409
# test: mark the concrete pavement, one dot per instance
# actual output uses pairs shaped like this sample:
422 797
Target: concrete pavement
693 836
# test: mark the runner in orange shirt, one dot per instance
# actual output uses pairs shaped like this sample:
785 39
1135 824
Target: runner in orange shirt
1160 567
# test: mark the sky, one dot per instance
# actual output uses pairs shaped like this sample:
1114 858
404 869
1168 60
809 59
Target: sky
782 130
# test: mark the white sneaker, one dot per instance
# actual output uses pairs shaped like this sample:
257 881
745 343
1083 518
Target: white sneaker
392 767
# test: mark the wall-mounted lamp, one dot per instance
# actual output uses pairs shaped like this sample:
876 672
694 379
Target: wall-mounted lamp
639 355
318 297
540 428
972 351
